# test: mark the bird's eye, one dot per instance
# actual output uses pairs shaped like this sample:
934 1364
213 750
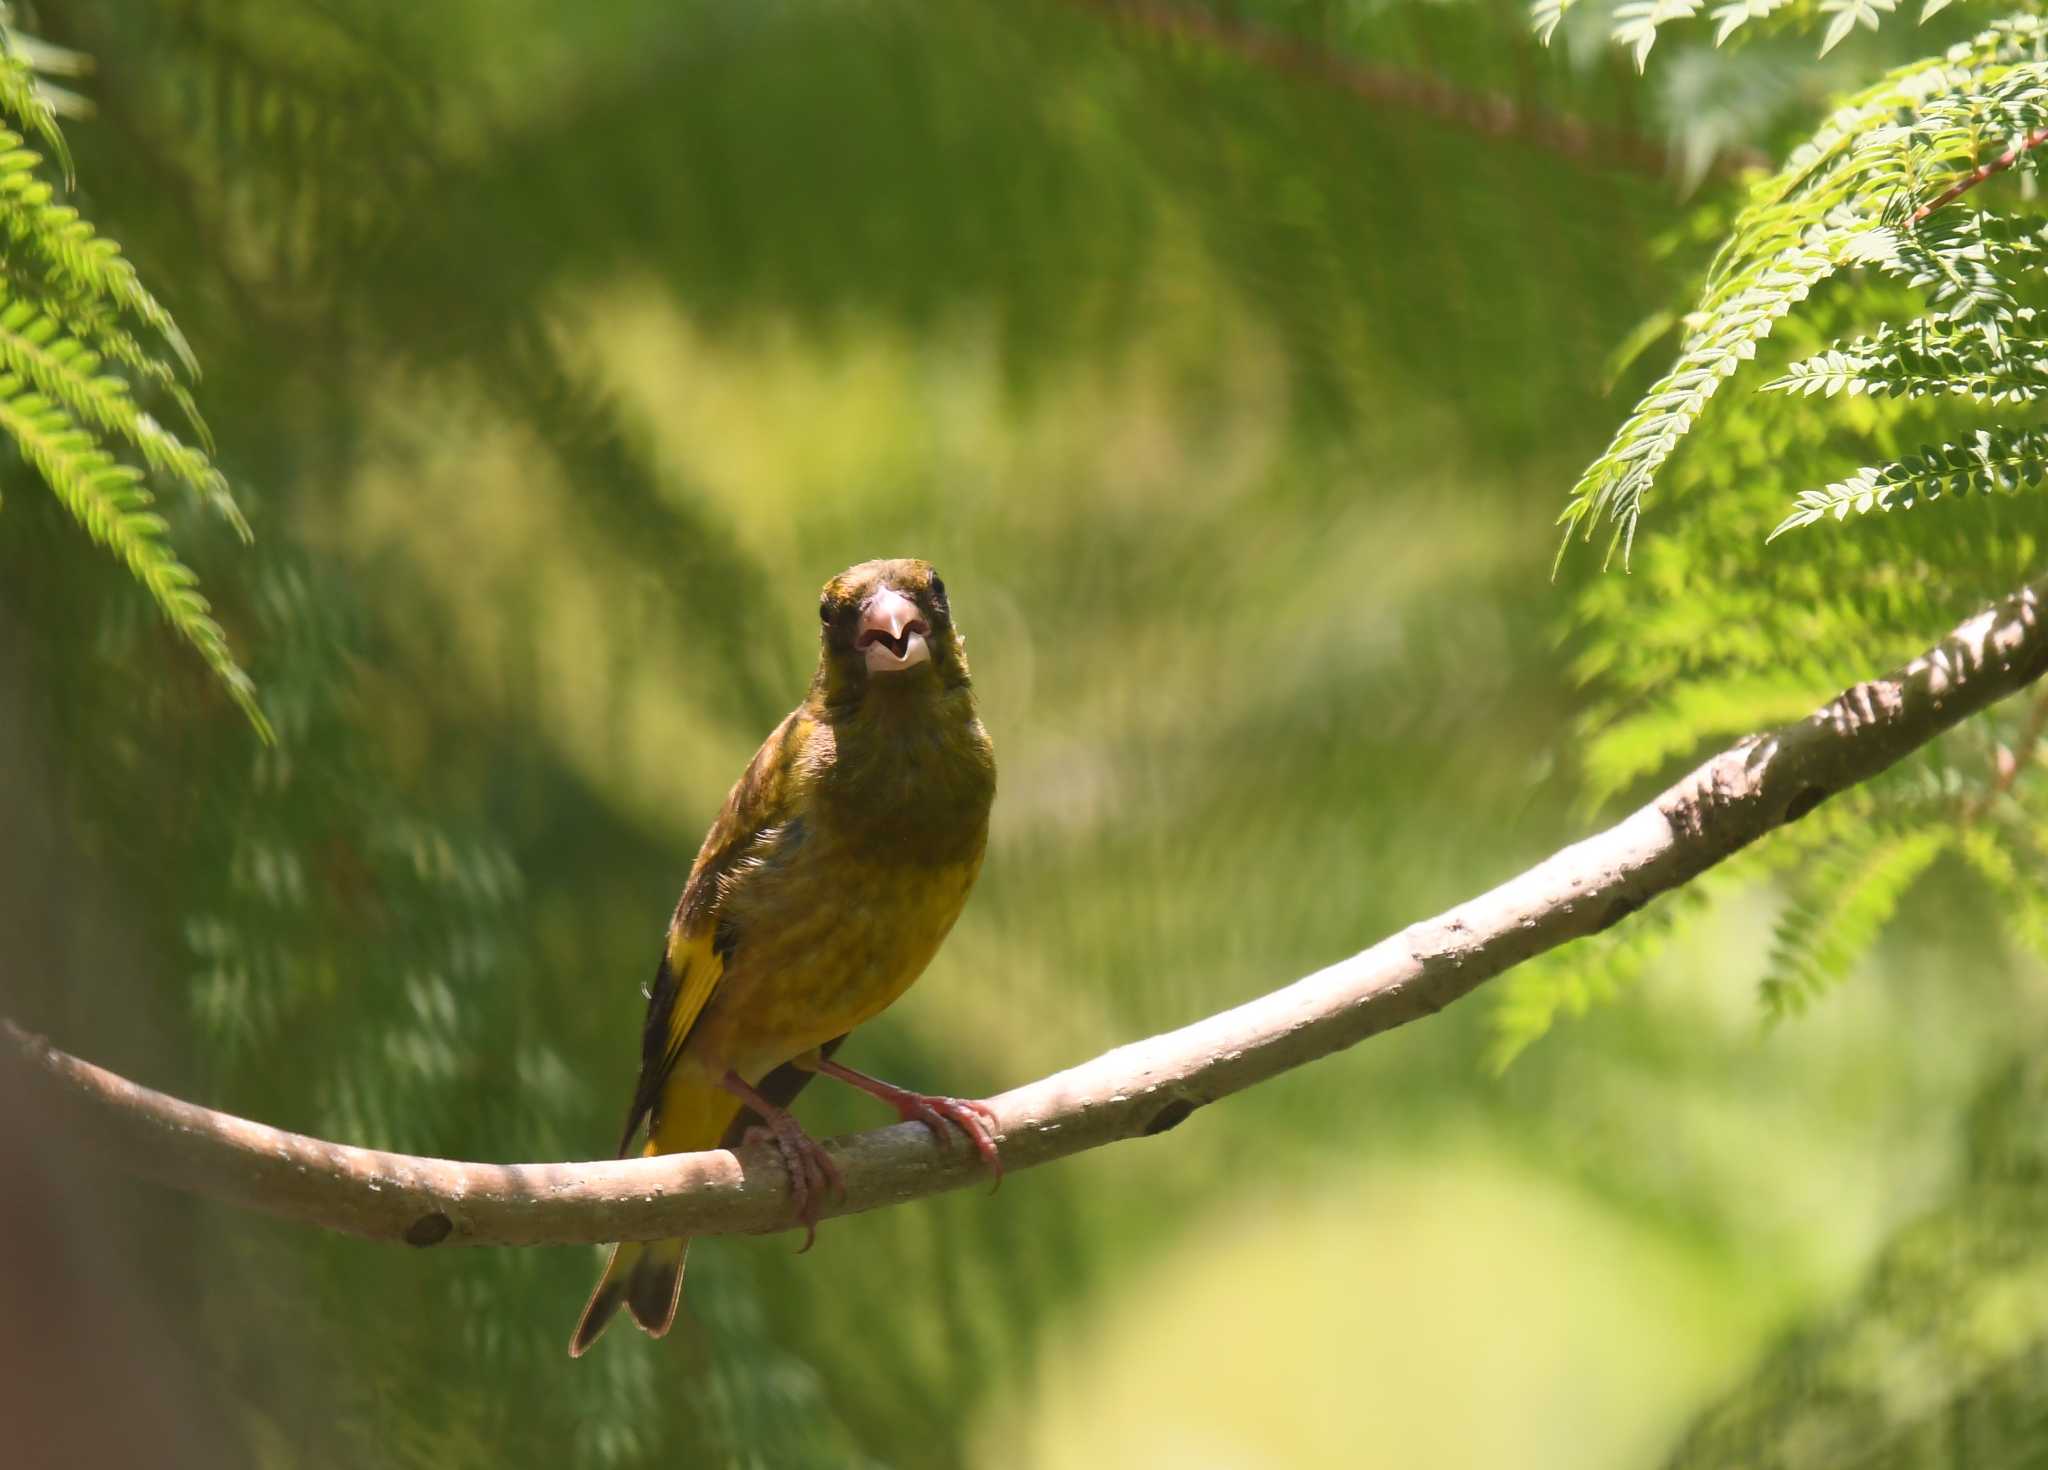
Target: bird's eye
825 611
938 587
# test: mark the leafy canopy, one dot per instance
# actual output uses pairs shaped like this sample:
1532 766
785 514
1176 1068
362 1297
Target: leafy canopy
1879 296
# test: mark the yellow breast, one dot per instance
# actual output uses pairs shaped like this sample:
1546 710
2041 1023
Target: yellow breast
827 940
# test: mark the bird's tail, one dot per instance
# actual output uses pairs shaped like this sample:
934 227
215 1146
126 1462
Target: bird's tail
646 1278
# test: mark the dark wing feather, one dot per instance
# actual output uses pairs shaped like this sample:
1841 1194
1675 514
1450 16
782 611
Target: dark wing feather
654 1062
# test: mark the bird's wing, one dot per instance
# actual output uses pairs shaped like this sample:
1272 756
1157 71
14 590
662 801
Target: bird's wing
683 982
757 814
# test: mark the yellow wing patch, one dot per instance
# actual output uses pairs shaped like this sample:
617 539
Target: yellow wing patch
691 968
698 968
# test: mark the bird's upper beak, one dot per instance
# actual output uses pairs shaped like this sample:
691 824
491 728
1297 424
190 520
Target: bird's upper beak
892 633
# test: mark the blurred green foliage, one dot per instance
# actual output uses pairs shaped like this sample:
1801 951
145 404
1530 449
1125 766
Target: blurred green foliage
1938 1358
557 354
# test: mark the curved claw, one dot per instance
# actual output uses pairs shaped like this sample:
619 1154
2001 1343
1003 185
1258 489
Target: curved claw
972 1117
813 1173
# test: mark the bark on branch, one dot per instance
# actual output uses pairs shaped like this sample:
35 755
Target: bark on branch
1146 1087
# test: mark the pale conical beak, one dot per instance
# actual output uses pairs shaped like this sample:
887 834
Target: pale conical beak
892 633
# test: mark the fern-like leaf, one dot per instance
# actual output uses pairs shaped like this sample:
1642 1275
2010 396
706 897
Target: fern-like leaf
1846 15
1570 981
1546 16
109 500
79 261
68 302
1636 23
1724 336
1929 358
1847 197
34 345
1994 856
1991 462
22 97
100 327
1731 17
1849 896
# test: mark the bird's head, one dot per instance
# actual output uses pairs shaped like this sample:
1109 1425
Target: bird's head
888 628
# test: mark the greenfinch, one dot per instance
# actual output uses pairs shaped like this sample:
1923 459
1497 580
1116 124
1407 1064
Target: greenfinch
840 860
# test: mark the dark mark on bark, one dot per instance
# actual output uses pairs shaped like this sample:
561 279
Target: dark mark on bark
1620 909
1803 802
1172 1115
429 1229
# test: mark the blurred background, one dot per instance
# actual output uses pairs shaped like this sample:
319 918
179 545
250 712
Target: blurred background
1232 363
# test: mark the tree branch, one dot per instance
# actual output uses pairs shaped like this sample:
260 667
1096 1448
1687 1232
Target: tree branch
1489 114
1147 1087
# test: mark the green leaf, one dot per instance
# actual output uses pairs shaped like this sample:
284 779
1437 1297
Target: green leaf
1546 16
1847 197
1723 336
1990 462
23 99
107 498
1570 981
1848 14
1845 900
1933 356
1731 17
67 299
34 345
1636 23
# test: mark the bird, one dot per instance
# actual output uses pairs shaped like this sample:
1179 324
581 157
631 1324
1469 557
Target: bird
834 871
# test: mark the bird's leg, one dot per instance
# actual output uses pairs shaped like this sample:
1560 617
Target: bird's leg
975 1119
812 1172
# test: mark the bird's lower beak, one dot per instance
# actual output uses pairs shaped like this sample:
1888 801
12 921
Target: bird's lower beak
892 633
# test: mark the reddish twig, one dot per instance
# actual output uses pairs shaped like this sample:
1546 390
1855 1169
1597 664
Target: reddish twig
2005 765
1982 172
2029 742
1488 114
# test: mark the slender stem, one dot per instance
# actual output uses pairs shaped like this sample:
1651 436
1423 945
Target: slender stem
1982 172
1488 114
2006 764
2029 742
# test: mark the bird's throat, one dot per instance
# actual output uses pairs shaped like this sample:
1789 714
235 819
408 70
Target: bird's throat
914 776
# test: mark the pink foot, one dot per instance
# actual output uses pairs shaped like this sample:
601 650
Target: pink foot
813 1173
975 1119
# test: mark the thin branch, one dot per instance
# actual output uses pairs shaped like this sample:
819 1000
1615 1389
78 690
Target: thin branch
2005 766
1488 114
2029 742
1982 172
1757 785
